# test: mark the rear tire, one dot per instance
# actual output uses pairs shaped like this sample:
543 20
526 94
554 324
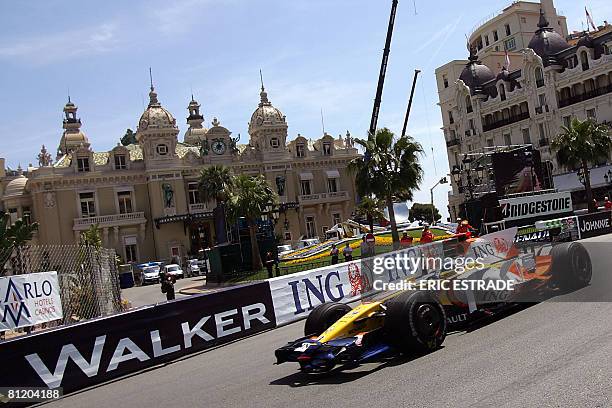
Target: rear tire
323 316
415 322
571 265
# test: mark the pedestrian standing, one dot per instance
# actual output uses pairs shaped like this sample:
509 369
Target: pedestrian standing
406 240
334 254
270 261
427 235
364 247
167 287
348 253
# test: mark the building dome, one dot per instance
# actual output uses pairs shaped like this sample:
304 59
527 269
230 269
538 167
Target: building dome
16 187
155 116
546 42
265 114
476 74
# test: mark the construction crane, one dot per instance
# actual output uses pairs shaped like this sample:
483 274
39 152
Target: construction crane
416 73
383 70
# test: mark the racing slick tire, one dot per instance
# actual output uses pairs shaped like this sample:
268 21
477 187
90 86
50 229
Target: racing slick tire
323 316
571 265
415 322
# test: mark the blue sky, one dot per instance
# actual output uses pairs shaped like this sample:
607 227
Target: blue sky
315 54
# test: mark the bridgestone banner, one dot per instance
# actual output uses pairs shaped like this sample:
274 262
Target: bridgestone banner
29 299
536 206
592 225
80 355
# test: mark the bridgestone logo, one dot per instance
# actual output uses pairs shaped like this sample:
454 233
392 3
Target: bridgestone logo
560 204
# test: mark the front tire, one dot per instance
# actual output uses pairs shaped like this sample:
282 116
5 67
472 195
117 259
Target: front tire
415 322
571 265
323 316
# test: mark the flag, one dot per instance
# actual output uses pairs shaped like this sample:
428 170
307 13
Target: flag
590 19
507 60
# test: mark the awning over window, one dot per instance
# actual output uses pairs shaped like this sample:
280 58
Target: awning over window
332 173
306 176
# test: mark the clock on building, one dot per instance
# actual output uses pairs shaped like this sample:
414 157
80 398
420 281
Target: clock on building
218 146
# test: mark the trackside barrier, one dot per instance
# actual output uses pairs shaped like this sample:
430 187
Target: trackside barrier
88 353
84 354
294 296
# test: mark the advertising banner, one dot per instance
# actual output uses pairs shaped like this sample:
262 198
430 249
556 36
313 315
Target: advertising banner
592 225
80 355
29 299
517 171
536 205
295 295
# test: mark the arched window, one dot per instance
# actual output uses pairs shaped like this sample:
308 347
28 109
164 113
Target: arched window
584 60
502 92
539 76
468 104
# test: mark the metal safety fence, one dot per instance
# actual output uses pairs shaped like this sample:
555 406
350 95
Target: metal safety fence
87 275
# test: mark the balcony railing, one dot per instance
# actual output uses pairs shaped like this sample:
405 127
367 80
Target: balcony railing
602 90
504 122
113 220
321 198
198 208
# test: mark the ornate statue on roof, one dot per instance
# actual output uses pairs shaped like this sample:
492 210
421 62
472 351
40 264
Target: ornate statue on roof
44 157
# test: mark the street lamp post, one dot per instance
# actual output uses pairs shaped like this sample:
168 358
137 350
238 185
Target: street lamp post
443 180
466 167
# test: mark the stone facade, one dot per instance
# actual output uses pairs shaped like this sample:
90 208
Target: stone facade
551 80
144 196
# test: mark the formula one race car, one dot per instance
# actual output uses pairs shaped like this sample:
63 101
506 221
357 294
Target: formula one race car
417 321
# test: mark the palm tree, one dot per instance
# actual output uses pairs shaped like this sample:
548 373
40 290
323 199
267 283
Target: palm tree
581 143
249 198
215 182
390 170
13 237
370 208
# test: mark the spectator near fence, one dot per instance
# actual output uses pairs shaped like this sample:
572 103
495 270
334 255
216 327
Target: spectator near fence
406 240
348 253
167 287
365 248
270 261
334 253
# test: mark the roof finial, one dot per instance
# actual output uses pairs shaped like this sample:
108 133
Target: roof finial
261 79
543 22
151 78
69 94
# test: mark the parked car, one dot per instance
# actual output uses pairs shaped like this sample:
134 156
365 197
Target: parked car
173 270
150 274
193 267
147 272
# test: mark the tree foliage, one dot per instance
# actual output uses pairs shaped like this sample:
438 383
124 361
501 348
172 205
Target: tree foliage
371 209
389 170
13 236
581 143
129 138
248 198
422 212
